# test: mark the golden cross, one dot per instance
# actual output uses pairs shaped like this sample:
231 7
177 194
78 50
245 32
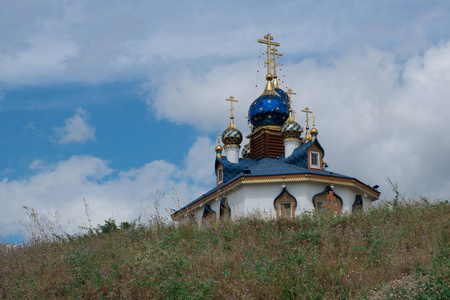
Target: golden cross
289 91
231 99
218 137
269 43
307 111
314 120
275 54
332 205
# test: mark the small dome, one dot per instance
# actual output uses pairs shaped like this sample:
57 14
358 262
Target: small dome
246 152
268 109
218 148
314 131
231 135
291 129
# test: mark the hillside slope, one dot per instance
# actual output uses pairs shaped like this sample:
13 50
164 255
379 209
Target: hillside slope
400 250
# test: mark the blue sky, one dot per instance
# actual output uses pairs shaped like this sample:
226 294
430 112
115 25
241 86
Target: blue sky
110 101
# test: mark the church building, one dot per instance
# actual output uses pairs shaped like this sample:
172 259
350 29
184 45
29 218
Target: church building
280 174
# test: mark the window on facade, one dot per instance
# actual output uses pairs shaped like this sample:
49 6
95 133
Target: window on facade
314 160
208 213
327 201
285 205
358 204
220 176
285 209
225 210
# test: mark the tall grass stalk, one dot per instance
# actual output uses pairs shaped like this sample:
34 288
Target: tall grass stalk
394 251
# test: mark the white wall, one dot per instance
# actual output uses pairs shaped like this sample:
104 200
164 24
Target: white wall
258 198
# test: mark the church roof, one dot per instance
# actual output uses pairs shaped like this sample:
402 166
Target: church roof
299 156
296 164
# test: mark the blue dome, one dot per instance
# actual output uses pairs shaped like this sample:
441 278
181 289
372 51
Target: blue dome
282 94
231 136
291 129
246 152
268 109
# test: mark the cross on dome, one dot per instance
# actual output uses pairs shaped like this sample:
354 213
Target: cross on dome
307 111
274 55
289 91
231 99
269 43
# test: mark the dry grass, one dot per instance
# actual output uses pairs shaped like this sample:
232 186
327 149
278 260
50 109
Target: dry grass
394 251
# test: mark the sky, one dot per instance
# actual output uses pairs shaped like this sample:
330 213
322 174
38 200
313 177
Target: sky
116 104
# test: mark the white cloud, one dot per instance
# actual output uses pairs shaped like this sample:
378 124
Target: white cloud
378 116
123 195
376 78
199 162
90 42
76 129
199 99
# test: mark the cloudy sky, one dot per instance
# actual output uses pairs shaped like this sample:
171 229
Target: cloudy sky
112 101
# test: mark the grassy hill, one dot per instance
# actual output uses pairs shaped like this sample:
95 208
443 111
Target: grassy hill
396 251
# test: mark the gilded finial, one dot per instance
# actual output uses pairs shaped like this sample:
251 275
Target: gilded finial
218 148
274 67
269 43
307 135
307 111
231 99
291 129
218 138
314 131
290 93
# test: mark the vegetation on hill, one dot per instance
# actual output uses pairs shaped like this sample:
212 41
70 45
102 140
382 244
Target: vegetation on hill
398 250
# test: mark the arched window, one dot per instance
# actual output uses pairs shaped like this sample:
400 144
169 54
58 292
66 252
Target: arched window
208 213
285 204
220 175
225 210
327 201
358 204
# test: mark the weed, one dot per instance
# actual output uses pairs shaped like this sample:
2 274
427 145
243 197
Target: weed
390 252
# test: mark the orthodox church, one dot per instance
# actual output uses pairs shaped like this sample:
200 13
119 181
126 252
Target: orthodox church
280 174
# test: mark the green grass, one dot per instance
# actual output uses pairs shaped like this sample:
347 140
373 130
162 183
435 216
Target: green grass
396 251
